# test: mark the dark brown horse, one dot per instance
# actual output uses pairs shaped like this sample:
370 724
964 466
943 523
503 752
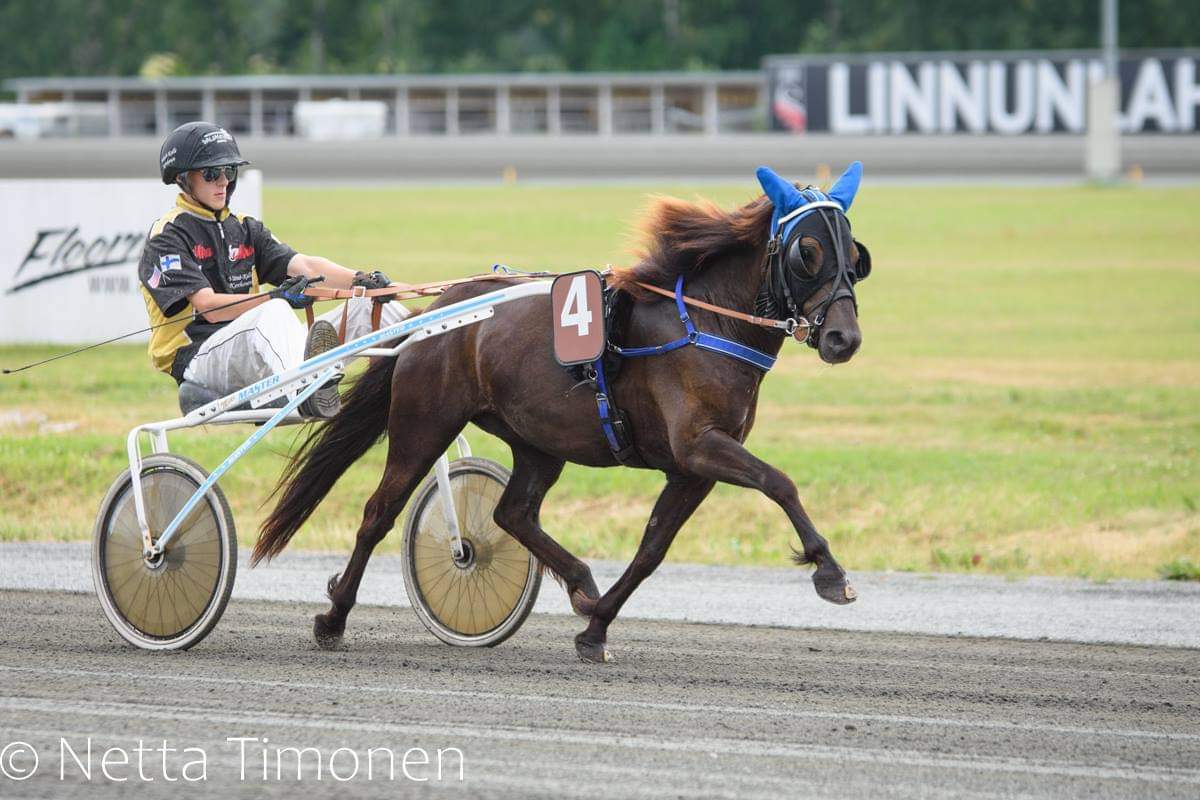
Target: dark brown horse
689 410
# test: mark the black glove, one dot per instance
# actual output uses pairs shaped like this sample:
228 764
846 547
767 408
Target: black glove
373 280
292 290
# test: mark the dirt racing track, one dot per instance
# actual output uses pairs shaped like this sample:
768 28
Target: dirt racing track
688 710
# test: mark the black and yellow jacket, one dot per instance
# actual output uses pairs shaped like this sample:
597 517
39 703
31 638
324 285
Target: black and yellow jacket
188 249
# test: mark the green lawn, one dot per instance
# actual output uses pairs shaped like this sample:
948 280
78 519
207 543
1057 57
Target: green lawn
1026 401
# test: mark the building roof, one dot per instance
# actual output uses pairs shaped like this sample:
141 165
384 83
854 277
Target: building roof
462 81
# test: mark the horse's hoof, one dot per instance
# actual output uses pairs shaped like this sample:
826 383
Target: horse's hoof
325 635
583 605
834 588
592 652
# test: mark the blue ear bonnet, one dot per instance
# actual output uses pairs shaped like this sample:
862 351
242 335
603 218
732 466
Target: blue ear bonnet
787 198
810 194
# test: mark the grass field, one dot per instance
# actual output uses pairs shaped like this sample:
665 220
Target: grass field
1026 401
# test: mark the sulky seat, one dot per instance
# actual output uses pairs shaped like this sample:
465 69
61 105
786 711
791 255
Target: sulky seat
194 395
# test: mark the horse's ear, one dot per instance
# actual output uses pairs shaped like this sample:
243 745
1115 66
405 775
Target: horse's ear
782 194
846 186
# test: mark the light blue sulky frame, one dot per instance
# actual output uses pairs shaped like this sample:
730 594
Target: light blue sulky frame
303 380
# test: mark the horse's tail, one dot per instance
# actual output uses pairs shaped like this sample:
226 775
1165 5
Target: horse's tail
326 453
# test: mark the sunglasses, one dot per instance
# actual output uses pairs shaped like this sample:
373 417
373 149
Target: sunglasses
213 174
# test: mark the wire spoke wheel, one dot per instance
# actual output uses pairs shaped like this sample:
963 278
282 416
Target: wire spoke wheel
482 598
172 601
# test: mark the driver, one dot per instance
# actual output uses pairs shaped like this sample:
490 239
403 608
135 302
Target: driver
199 257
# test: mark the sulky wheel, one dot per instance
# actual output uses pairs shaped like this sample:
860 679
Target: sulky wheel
481 599
173 601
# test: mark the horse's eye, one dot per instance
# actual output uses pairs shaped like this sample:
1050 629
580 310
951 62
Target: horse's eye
803 259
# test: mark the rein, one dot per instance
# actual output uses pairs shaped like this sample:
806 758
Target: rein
788 326
411 291
404 291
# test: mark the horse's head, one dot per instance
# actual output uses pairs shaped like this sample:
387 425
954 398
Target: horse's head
814 262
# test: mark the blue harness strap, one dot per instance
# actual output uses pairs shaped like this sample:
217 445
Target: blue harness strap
612 422
728 347
604 407
705 341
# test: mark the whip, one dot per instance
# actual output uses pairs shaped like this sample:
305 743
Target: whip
143 330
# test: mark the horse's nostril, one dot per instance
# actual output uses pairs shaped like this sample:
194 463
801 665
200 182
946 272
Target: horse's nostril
838 346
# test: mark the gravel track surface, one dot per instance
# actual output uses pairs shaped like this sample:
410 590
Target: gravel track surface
689 710
1061 609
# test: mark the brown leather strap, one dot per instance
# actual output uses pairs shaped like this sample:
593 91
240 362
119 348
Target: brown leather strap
405 291
409 291
308 315
342 324
376 315
726 312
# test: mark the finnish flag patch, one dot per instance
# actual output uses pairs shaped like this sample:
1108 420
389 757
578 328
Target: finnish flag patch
169 262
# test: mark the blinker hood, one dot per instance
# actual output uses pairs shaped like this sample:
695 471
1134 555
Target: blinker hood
788 283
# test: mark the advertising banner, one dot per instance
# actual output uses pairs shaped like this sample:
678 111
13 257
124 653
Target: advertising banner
978 93
69 253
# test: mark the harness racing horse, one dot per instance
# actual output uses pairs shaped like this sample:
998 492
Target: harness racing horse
789 254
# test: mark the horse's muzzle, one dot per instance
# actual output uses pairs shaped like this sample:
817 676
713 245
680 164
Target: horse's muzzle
837 347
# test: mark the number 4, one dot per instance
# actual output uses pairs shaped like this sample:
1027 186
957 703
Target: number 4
581 316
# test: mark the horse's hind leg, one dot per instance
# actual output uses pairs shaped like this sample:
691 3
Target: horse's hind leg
517 513
409 459
681 496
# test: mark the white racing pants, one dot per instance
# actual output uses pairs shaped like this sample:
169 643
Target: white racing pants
268 339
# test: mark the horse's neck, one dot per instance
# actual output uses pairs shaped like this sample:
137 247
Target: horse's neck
735 284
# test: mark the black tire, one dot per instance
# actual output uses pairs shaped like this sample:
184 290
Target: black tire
175 603
482 601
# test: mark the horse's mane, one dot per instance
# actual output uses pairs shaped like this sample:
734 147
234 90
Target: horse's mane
682 237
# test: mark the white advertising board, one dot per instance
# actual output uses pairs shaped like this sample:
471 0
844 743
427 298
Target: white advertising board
69 253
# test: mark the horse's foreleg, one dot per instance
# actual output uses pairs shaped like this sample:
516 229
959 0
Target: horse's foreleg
675 505
518 512
720 457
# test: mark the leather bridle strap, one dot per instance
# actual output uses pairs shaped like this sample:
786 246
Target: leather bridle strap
843 285
788 326
404 291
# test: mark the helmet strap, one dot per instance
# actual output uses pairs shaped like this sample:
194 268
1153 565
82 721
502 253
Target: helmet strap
184 183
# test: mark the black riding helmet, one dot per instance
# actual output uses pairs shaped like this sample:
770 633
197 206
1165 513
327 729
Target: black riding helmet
196 145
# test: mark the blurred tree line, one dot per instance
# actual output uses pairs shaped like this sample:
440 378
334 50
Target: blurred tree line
171 37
